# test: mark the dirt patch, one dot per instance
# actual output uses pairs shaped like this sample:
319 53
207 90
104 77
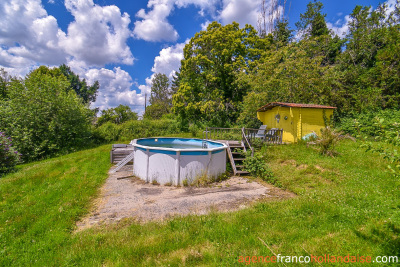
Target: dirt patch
302 167
124 196
291 162
320 168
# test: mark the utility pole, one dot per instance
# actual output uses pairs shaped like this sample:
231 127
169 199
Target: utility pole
145 102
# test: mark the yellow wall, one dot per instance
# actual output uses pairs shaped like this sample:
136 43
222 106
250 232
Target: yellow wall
299 122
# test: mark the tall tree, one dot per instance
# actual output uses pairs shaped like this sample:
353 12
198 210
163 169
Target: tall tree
208 88
312 23
160 89
282 34
4 81
160 98
369 66
293 73
87 93
175 83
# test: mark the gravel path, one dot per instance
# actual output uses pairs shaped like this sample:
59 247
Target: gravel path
123 196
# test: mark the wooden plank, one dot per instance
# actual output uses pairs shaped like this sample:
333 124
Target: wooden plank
119 153
231 160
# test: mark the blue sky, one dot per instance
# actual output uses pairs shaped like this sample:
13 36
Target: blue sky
123 43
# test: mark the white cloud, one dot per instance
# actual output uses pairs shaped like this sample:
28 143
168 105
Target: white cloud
116 88
340 28
391 5
242 11
169 60
98 35
12 61
153 26
205 25
30 37
28 32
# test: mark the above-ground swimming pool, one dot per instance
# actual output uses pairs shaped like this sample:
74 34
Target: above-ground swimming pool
174 160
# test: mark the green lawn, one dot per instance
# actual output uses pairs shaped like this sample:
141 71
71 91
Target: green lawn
344 205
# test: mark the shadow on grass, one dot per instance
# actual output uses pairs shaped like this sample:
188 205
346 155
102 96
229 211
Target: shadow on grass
383 234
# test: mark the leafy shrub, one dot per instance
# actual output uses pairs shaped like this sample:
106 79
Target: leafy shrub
369 124
9 157
328 140
43 116
117 115
107 132
382 126
257 167
257 143
136 129
390 135
146 128
194 129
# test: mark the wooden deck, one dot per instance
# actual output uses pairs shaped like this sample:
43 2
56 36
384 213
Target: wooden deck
119 152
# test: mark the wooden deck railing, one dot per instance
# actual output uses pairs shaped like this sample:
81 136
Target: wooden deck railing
271 136
274 136
246 142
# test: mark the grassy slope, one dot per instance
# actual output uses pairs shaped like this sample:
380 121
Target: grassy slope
40 204
345 205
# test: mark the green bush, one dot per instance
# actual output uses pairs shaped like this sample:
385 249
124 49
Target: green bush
117 115
107 132
369 124
136 129
194 129
257 167
43 116
328 140
388 147
9 157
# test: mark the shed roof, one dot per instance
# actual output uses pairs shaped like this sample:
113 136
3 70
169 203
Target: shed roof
292 105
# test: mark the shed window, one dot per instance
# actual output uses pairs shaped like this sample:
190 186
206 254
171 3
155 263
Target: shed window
277 117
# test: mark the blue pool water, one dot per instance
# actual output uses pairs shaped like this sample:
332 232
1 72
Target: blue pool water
179 143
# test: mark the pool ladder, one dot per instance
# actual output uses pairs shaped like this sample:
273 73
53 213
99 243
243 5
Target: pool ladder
204 144
123 162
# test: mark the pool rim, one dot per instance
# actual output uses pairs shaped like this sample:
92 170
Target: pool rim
224 146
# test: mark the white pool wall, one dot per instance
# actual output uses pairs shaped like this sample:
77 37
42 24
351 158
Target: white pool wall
173 166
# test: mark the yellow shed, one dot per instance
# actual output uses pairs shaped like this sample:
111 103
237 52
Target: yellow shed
296 120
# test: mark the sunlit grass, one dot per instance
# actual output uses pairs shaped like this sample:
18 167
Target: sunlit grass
344 205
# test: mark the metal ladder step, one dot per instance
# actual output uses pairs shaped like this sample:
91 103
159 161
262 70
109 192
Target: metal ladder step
123 162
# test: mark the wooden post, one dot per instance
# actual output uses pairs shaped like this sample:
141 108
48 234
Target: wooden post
145 102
